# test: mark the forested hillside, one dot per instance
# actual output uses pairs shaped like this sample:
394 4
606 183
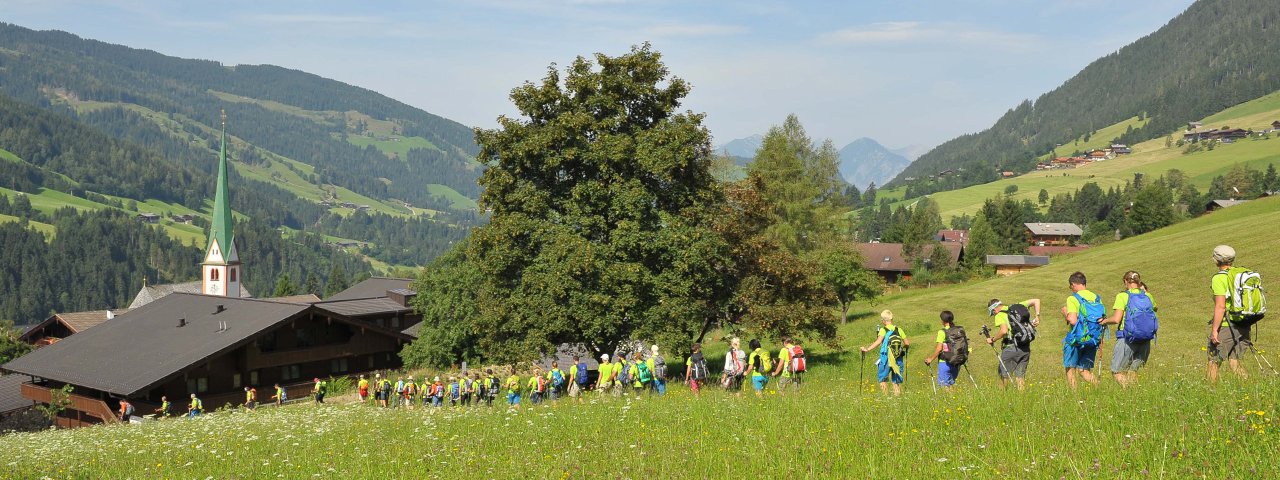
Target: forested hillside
1216 54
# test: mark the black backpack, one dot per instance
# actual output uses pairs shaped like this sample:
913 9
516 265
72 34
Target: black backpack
659 367
494 386
1021 331
698 365
956 352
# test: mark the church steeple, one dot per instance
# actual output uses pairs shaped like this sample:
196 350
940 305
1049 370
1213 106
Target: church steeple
221 266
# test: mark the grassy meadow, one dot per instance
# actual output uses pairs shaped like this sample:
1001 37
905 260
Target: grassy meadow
1172 425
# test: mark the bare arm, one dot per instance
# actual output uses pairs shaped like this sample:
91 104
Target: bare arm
873 344
1219 311
1034 303
1115 318
936 351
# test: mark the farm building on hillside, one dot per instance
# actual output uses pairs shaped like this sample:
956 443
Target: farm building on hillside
887 260
1221 204
1056 234
63 325
954 236
1013 264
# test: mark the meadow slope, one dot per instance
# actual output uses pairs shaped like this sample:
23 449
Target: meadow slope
1172 425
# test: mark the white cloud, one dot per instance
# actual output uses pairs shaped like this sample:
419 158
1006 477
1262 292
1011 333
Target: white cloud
900 33
692 30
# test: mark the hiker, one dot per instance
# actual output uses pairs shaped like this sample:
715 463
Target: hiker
658 368
1083 312
579 378
758 364
250 398
455 391
537 386
320 389
196 406
437 393
622 375
363 388
555 378
735 364
951 352
165 409
469 385
126 409
640 374
495 386
1015 330
410 392
1237 304
783 369
605 379
280 395
893 343
513 389
1134 315
398 399
385 389
695 369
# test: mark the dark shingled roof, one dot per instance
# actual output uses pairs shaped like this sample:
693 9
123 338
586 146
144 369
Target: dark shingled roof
374 287
81 321
887 257
304 298
11 393
362 307
1017 260
145 347
1062 229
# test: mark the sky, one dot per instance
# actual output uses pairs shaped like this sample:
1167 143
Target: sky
904 72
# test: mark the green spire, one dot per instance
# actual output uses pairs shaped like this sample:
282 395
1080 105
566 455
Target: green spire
222 220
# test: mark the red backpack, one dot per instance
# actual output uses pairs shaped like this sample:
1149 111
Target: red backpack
797 359
542 384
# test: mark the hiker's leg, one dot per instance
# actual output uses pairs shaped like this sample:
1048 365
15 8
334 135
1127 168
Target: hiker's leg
897 389
884 388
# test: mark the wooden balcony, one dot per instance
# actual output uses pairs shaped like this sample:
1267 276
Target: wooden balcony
82 405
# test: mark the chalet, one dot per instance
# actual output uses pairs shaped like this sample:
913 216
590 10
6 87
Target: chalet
63 325
348 205
147 217
1222 134
209 345
1013 264
1221 204
184 218
887 260
1275 126
1098 155
1007 174
1120 149
346 244
361 208
956 236
1055 250
1061 234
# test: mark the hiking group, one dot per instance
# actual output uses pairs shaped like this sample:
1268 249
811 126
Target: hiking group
1238 304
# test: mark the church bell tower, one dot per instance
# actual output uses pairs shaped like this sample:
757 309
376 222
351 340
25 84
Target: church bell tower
221 270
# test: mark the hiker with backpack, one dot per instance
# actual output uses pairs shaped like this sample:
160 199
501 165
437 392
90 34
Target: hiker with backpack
1084 313
758 363
437 393
1134 315
537 386
579 378
555 379
695 369
513 388
1238 303
658 367
494 387
952 351
605 381
1015 330
893 344
735 365
785 370
640 375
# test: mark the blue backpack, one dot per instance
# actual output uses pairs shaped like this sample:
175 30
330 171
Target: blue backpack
557 378
1088 329
454 390
581 374
624 377
1140 322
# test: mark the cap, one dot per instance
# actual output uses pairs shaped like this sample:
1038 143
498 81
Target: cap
655 349
991 309
1224 254
605 357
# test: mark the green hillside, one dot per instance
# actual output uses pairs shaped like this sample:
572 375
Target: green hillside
1152 158
1171 425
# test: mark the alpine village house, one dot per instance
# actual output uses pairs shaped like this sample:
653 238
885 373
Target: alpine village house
211 338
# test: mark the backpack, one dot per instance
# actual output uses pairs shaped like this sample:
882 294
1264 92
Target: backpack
797 359
581 374
642 371
128 410
1140 323
454 390
410 389
895 344
762 362
1088 331
557 378
659 367
542 384
1021 331
698 365
494 386
955 350
1248 302
624 375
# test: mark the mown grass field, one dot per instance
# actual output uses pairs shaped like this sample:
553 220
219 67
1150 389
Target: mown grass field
1172 425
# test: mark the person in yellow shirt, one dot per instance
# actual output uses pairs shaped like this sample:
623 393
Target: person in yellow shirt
605 381
537 386
363 388
1077 357
783 368
250 398
513 389
890 368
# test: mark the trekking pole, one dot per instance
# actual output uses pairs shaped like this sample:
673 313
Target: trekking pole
862 366
1260 358
986 333
966 371
933 381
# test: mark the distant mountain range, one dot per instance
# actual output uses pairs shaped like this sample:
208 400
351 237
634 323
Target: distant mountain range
862 162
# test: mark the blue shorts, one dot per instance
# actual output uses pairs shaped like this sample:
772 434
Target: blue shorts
513 399
947 374
1078 357
758 382
883 371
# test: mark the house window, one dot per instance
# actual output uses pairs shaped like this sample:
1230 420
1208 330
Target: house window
290 372
253 377
267 343
233 275
198 385
338 365
213 274
235 380
395 322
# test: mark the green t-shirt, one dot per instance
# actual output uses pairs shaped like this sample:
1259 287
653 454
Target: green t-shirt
513 384
633 372
1122 302
1073 305
606 370
784 356
1221 286
617 368
758 355
573 374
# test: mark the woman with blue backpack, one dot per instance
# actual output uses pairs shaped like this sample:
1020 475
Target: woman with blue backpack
1134 315
1084 313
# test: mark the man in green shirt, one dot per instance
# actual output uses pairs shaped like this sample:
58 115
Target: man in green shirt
1226 339
1078 359
513 389
783 368
1014 357
606 374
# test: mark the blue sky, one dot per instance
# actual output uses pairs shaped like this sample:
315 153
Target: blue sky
905 72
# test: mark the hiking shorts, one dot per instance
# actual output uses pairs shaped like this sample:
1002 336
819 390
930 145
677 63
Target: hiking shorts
1078 357
886 374
1129 357
784 382
574 390
695 384
758 382
512 399
1232 341
1015 359
947 374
